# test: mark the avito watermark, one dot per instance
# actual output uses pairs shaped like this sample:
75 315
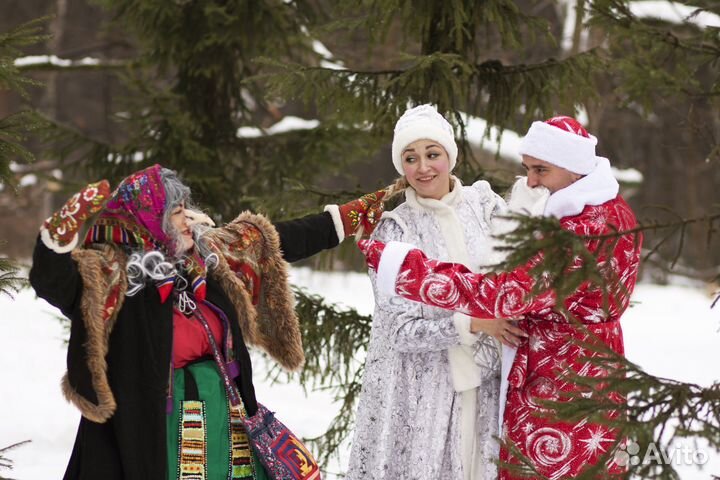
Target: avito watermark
678 454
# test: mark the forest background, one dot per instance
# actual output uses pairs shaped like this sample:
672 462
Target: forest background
284 106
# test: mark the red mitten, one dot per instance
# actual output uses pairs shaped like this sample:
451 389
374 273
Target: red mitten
62 231
364 211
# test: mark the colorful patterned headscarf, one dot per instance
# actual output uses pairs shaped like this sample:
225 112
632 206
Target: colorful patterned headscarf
133 217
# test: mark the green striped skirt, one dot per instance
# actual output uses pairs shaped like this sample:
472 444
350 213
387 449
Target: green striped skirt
205 439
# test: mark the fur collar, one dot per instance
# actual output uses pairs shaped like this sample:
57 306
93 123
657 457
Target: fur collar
448 201
271 324
250 271
105 283
595 188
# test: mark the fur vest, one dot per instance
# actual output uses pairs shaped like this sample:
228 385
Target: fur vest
250 272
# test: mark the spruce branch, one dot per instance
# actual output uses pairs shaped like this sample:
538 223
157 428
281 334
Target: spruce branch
453 26
14 128
524 468
323 195
491 66
10 282
655 58
379 97
618 13
24 35
559 259
565 262
11 43
332 339
5 462
651 411
677 227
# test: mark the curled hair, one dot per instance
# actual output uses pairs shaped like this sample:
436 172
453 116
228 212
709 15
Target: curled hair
147 266
154 265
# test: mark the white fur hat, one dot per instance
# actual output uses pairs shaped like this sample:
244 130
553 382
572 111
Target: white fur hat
423 122
561 141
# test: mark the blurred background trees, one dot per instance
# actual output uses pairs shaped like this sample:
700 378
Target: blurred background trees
283 106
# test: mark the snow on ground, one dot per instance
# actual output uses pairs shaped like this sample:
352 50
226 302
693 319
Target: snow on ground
671 332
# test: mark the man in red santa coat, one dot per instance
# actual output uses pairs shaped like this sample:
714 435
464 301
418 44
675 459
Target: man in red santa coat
558 154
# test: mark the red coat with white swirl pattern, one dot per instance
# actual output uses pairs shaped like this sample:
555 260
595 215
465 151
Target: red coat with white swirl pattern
556 449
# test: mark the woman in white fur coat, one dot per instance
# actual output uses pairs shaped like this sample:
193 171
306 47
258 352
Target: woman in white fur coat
429 401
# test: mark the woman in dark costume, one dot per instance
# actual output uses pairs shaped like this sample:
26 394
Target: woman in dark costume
162 307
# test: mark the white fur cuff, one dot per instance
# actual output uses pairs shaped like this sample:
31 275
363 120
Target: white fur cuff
337 221
462 325
53 245
390 262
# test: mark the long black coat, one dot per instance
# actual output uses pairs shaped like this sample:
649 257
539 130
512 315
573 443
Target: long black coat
131 444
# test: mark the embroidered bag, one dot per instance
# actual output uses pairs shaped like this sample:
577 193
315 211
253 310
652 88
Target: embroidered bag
281 453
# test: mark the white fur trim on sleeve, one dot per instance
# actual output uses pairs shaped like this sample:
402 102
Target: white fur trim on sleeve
337 221
462 325
54 246
390 262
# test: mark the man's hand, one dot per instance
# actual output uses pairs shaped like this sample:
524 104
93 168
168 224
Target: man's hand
502 329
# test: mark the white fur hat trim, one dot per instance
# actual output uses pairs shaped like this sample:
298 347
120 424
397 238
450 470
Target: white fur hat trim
559 147
423 122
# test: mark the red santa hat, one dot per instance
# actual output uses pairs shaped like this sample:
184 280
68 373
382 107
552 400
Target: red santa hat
561 141
423 122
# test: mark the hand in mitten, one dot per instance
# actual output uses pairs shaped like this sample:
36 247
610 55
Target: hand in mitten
66 227
364 212
372 249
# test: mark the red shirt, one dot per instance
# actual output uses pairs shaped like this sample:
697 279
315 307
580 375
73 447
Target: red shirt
190 341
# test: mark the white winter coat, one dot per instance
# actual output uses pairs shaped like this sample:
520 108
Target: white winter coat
429 400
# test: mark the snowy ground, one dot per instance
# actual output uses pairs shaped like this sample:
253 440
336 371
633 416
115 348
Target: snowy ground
670 332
